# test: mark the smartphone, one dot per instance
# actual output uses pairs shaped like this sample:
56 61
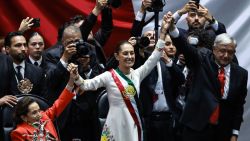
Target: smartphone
197 2
36 22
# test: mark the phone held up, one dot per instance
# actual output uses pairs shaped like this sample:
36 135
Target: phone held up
197 2
36 22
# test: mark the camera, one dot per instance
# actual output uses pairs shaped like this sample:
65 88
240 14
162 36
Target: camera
157 5
36 22
197 2
82 49
115 3
142 42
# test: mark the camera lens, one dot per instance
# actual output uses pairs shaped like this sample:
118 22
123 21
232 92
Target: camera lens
82 48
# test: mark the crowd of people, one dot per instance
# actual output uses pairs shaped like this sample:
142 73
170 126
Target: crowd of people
185 86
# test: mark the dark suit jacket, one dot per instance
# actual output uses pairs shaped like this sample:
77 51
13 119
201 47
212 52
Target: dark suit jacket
80 116
5 82
35 75
52 55
57 77
5 74
204 94
43 64
172 77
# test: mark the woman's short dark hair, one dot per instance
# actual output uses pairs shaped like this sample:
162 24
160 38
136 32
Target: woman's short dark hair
121 43
34 34
22 108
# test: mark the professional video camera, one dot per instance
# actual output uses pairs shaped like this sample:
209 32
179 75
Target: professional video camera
157 5
115 3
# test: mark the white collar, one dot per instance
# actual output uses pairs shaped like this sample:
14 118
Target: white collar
22 64
38 61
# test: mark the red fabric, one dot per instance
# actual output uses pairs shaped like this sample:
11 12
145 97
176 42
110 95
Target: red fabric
221 77
54 13
24 131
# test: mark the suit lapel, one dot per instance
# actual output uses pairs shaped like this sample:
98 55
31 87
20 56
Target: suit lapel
213 70
154 78
26 70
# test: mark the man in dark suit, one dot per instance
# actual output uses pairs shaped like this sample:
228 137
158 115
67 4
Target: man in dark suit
16 46
214 106
6 99
158 94
197 18
83 122
98 39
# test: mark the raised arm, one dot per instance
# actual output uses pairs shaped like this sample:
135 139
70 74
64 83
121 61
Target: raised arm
139 21
91 19
151 62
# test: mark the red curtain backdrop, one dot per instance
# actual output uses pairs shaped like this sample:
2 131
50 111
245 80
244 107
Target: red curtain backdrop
54 13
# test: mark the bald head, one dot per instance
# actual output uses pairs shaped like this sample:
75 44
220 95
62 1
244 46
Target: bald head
71 34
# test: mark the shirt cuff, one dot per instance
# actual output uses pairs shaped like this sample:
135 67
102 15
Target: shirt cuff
170 63
174 33
215 25
69 88
64 63
179 63
160 44
79 81
176 16
235 132
139 16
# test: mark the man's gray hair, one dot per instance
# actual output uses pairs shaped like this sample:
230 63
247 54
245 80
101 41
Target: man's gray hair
224 39
71 29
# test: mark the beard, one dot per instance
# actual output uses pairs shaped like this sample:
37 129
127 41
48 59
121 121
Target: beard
19 57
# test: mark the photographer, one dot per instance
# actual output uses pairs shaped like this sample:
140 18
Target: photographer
99 38
83 122
54 53
198 17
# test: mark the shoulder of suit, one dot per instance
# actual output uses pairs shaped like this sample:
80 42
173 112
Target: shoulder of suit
33 67
239 68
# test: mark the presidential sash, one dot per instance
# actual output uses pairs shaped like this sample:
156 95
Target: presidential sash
127 94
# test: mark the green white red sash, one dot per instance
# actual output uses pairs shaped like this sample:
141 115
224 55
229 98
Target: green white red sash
126 98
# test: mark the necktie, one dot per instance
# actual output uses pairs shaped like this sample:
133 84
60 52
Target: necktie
35 63
18 74
154 97
221 77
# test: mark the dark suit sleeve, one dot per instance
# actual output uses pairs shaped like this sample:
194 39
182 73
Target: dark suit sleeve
137 28
177 74
104 32
87 25
56 79
192 57
239 107
221 29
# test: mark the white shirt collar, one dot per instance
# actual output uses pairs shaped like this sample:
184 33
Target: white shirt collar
38 61
21 64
